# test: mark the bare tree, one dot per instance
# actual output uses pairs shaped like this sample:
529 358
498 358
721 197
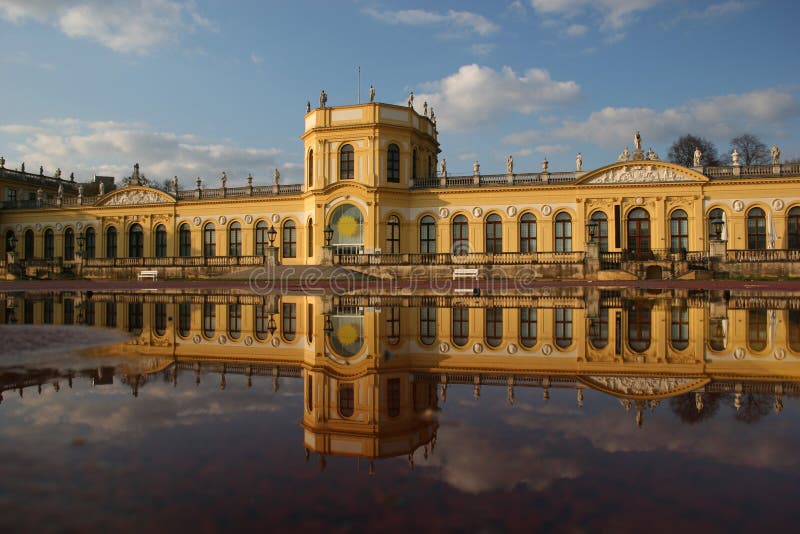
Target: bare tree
682 151
751 150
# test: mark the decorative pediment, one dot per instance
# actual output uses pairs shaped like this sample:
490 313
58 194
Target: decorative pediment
642 172
135 196
644 386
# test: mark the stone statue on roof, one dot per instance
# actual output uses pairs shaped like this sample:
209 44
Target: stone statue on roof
697 155
578 162
652 155
2 162
637 141
735 157
443 165
308 106
411 99
371 93
57 175
276 176
510 164
323 98
625 155
776 154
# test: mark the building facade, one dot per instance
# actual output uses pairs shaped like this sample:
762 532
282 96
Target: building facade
376 195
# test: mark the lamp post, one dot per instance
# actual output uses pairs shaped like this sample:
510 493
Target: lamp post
327 250
11 251
718 225
328 235
328 325
271 252
271 233
81 242
591 227
592 257
271 327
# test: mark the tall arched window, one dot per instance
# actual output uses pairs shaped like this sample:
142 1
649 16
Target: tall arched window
346 163
184 319
679 328
235 239
49 244
639 232
9 235
427 325
393 234
713 216
494 326
160 312
185 241
209 319
563 324
527 233
528 327
310 238
161 241
234 321
679 231
346 400
793 228
310 167
135 241
289 240
601 234
427 235
639 328
494 234
209 241
756 229
563 232
29 243
598 329
393 164
111 242
794 330
69 244
262 238
757 329
414 163
90 244
460 325
460 235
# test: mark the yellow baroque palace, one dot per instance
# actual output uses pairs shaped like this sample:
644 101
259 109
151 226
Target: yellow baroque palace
376 195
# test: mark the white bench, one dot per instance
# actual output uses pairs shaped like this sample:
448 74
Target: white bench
152 275
465 273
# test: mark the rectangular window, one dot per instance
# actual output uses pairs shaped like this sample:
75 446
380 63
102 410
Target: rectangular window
289 320
393 325
48 311
393 397
11 195
111 314
135 317
289 248
69 311
88 310
185 238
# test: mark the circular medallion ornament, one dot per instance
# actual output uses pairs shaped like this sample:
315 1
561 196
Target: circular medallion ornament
196 221
276 218
738 205
222 219
275 341
547 349
777 204
222 340
444 212
248 341
248 219
38 227
511 210
512 348
779 354
19 228
477 348
59 227
546 210
196 338
477 211
738 353
639 201
444 347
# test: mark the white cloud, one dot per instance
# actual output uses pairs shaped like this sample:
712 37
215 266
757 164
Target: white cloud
136 27
256 59
575 30
613 15
717 117
482 49
111 148
476 94
459 20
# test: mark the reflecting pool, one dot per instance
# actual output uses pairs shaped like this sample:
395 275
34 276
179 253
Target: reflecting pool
571 410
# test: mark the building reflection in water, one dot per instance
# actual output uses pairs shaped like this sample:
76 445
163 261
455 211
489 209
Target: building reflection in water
376 369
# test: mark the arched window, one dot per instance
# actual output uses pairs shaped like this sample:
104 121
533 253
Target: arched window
494 234
460 325
135 317
793 228
527 233
639 233
185 241
713 216
563 232
111 242
393 234
9 236
679 231
756 229
427 235
160 313
289 239
69 244
184 319
393 164
161 241
262 318
414 163
289 320
29 243
639 328
757 329
460 235
310 239
234 321
262 238
235 239
135 241
347 223
528 327
494 326
346 163
49 244
393 325
427 325
679 328
90 244
346 400
209 319
310 167
601 234
598 329
563 333
794 330
209 241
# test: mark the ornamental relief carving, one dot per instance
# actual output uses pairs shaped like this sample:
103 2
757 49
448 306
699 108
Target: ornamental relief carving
136 197
631 174
634 385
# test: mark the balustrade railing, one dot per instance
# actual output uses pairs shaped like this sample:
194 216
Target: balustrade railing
473 258
769 255
176 261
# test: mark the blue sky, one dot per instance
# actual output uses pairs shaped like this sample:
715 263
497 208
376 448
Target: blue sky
195 88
